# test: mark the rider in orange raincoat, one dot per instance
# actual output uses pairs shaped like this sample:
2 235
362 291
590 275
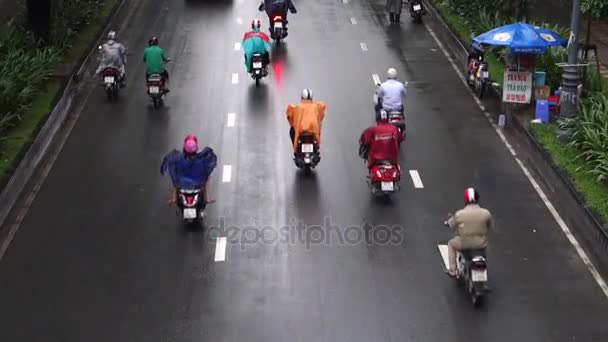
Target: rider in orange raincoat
305 116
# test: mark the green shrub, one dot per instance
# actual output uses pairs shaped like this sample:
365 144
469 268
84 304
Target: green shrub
23 66
590 134
68 17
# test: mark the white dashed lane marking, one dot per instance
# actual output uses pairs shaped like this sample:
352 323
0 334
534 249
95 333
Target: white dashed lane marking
231 119
227 174
353 21
220 249
363 46
376 78
235 78
237 46
416 179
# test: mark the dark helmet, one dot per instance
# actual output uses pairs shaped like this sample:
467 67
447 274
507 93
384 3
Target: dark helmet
153 41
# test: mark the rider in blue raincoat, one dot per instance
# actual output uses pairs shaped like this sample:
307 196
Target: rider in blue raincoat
190 169
254 42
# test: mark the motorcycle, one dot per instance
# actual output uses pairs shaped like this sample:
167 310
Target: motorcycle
472 272
384 178
397 119
308 155
279 31
479 79
417 10
191 205
111 82
156 88
259 70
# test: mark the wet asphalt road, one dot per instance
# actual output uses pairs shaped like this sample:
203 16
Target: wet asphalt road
100 256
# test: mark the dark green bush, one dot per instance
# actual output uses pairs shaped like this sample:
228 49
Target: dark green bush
23 66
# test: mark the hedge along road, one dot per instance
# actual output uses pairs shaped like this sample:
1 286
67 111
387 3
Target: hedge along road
99 256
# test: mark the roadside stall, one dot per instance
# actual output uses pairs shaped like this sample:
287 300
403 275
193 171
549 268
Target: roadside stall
522 83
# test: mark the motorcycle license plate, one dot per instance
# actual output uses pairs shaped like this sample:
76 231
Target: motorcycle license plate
387 186
486 74
257 65
278 25
479 275
307 148
108 79
189 213
417 7
154 90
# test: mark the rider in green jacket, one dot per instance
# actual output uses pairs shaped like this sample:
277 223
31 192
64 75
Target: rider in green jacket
154 57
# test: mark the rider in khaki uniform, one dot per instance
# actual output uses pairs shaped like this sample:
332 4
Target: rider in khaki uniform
471 225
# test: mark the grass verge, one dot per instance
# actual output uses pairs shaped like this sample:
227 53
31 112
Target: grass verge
564 156
19 138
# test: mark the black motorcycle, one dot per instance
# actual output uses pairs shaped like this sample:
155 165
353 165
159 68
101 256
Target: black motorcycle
259 70
191 205
307 155
417 10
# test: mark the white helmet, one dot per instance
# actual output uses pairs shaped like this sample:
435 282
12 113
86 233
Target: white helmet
383 115
112 35
391 73
306 94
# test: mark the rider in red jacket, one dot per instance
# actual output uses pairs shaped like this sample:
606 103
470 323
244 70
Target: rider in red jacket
380 142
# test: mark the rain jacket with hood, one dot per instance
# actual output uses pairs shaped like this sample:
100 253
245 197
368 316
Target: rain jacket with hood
394 6
380 142
113 54
306 116
255 42
189 172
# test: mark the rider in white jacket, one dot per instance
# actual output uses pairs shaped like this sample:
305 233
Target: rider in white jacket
391 93
113 54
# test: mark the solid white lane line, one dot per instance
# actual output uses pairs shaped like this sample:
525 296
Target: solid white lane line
231 119
220 249
237 46
556 216
227 173
363 46
416 179
376 78
353 21
443 250
235 78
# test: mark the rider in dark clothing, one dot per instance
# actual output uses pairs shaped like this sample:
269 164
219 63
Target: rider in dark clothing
277 7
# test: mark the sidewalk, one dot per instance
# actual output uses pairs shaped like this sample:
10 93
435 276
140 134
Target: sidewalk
599 37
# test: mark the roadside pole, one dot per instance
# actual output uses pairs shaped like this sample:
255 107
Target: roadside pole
570 77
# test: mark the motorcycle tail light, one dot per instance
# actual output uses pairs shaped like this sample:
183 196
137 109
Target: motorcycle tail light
378 174
277 18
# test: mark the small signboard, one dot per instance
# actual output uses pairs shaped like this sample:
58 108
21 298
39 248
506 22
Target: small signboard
517 87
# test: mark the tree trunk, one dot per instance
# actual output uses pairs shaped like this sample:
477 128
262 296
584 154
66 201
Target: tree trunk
39 17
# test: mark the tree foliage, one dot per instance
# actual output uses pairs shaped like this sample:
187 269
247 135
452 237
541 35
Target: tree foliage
597 9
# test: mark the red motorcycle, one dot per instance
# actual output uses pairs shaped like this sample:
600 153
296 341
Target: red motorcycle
384 178
111 82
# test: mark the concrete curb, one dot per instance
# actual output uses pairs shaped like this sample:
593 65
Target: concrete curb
542 161
37 150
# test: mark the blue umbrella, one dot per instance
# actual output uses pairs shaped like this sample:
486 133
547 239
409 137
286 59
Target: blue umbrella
521 38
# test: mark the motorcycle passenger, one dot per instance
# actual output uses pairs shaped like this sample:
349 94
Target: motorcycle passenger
113 55
277 7
380 142
475 58
154 57
254 42
390 94
306 116
471 226
190 169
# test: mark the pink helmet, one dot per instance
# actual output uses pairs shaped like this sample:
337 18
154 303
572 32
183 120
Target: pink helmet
190 144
